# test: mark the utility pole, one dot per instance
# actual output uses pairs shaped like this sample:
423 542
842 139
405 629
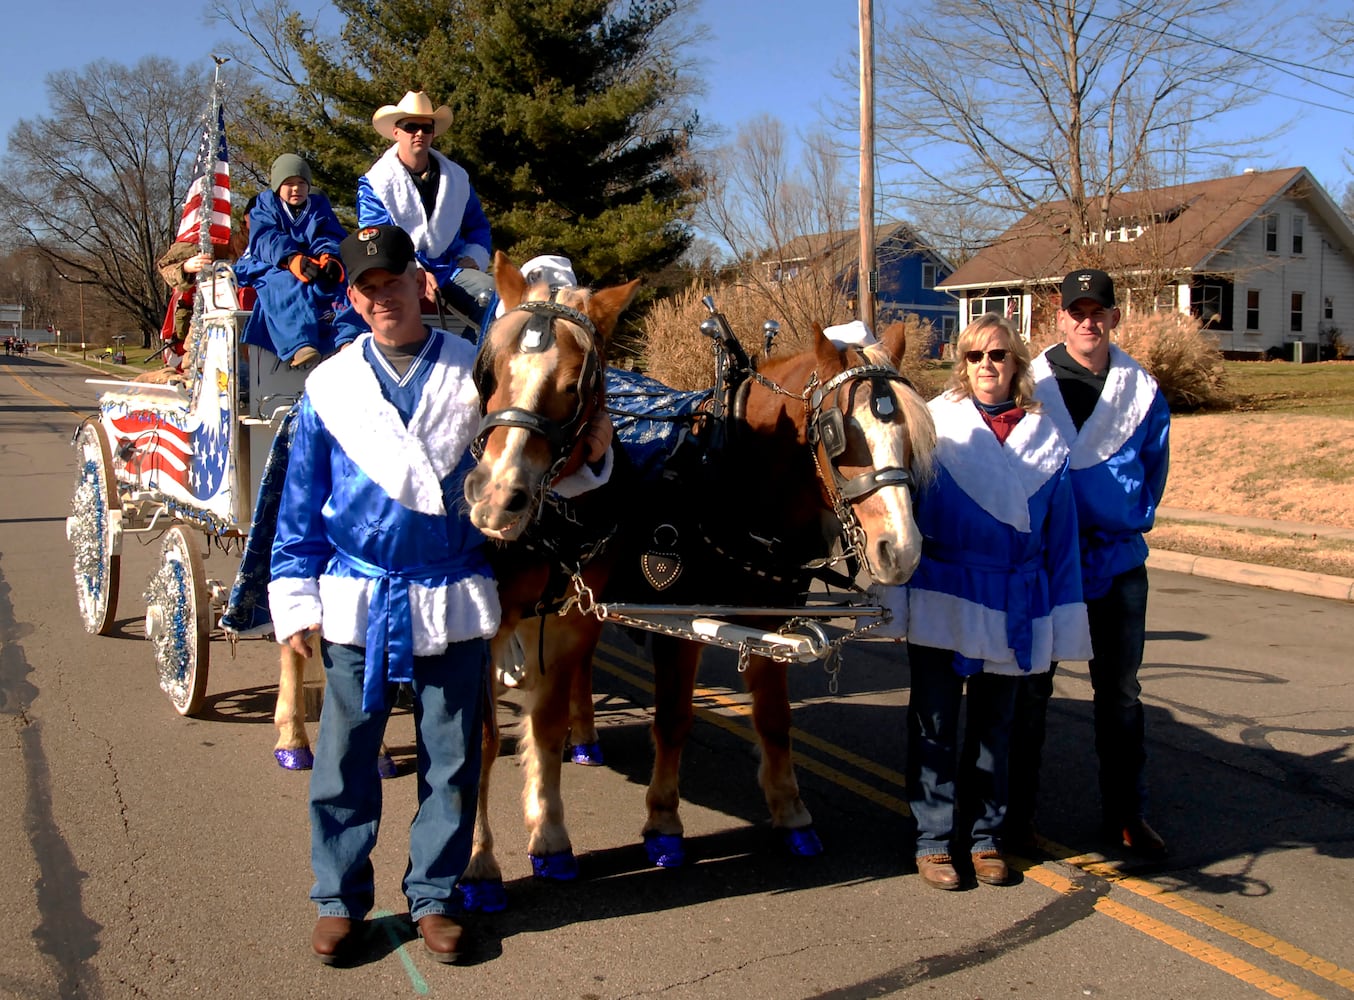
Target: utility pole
867 277
80 285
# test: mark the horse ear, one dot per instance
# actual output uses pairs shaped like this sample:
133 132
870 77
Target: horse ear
606 306
509 281
824 349
894 339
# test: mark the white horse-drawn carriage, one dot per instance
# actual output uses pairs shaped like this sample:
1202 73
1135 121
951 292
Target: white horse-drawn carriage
180 461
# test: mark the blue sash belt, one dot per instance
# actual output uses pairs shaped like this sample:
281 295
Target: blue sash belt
390 623
1021 581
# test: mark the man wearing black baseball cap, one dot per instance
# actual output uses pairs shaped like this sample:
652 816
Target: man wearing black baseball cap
375 553
1118 427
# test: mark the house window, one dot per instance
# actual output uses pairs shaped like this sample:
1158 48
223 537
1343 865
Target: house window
928 275
1252 309
1165 300
1271 234
1002 305
947 325
1299 224
1209 304
1330 307
1295 313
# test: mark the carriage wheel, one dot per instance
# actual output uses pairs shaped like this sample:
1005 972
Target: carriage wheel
92 531
179 622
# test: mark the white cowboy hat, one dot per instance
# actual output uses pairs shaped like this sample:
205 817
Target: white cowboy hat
414 104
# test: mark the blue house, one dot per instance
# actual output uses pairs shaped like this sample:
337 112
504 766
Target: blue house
909 272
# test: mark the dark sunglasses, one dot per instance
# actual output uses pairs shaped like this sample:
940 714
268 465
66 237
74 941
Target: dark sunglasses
412 127
976 357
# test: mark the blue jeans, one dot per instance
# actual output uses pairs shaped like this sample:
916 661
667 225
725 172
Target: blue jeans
1118 636
933 751
345 788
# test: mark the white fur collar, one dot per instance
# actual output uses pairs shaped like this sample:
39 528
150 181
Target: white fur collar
408 463
999 478
390 181
1124 402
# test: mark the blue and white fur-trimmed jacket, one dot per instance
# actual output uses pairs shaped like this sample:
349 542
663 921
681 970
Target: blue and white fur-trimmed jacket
372 540
1119 462
458 227
999 580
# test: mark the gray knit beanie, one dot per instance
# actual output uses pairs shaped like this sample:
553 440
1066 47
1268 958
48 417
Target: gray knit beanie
288 165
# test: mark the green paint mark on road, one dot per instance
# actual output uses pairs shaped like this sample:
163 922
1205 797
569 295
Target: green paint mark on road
416 980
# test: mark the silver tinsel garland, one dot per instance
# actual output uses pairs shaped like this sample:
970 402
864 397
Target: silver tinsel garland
88 533
175 641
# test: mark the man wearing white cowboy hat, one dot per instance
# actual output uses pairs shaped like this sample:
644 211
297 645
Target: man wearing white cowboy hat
431 198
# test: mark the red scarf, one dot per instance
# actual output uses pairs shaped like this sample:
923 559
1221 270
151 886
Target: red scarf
1003 423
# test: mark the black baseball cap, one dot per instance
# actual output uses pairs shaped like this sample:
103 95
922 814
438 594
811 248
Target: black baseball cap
386 247
1088 283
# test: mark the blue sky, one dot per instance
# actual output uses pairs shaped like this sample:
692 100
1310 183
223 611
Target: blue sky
778 57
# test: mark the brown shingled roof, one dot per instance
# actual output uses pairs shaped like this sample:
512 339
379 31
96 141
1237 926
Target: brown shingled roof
1191 222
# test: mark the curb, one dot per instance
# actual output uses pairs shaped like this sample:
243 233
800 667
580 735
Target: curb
1334 588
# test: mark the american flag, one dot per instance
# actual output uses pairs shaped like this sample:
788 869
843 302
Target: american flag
156 450
214 169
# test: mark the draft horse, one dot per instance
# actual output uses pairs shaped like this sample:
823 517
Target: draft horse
820 450
554 516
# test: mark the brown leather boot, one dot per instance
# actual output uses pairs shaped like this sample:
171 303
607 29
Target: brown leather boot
334 939
441 936
937 871
991 867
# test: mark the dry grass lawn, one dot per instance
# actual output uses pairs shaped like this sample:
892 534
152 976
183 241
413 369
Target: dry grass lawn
1286 453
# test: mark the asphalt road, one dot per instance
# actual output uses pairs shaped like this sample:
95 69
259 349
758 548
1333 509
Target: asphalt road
151 856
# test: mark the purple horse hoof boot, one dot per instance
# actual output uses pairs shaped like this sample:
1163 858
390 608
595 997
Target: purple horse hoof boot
561 867
665 850
295 758
482 895
803 842
589 754
385 766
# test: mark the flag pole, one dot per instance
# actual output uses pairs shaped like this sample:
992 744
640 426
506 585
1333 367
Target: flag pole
867 276
204 238
208 153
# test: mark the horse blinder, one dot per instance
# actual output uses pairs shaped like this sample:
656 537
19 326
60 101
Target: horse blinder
830 428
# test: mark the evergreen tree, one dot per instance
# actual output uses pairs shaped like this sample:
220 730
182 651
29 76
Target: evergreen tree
569 116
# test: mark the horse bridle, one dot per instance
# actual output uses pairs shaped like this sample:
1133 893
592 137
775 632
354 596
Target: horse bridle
826 432
827 427
537 335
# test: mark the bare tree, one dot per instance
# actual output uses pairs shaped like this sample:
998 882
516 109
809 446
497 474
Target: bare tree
1013 105
98 185
781 224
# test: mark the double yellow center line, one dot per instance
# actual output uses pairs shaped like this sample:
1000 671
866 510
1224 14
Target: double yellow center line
732 715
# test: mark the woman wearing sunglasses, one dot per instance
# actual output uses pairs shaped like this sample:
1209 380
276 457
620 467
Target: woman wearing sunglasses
997 596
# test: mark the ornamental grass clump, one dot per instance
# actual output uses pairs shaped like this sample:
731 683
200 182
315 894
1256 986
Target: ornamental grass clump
1182 357
679 355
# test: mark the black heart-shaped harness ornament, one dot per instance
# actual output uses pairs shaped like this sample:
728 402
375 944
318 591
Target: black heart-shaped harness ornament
662 565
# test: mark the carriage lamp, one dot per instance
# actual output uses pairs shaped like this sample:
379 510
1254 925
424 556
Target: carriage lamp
770 330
